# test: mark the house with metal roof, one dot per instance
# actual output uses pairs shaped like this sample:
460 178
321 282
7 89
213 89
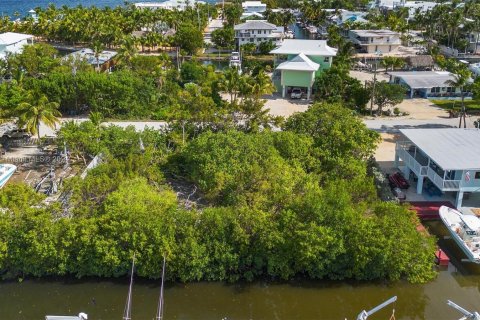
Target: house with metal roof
299 62
12 42
102 62
426 84
372 41
257 31
447 158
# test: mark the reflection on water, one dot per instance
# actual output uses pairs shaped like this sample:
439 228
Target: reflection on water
293 300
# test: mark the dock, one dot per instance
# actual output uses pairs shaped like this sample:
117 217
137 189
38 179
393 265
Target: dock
428 210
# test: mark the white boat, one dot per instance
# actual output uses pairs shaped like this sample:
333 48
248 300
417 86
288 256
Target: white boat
235 61
6 171
465 230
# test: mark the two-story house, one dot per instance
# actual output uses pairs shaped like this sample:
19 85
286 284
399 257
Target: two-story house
375 41
300 61
257 31
254 7
448 158
11 42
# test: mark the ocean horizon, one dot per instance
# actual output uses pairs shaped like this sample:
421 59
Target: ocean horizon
20 8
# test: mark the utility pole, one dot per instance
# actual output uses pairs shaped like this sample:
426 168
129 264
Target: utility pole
373 87
377 53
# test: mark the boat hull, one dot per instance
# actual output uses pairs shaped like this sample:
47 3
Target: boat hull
448 218
6 172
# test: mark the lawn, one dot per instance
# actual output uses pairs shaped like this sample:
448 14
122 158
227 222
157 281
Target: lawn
455 104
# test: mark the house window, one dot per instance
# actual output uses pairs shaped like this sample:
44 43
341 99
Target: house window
376 48
477 175
264 31
435 90
259 31
251 39
326 59
450 89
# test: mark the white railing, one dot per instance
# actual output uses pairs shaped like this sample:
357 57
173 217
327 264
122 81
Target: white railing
442 184
410 161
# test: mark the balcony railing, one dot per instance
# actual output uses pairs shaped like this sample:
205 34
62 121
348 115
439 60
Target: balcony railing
410 161
444 185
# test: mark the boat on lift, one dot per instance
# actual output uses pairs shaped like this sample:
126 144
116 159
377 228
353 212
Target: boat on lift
363 315
465 231
235 60
6 172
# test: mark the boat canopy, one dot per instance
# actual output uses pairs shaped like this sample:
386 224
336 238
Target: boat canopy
471 221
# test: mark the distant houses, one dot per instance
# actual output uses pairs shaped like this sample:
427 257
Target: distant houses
169 5
11 43
300 62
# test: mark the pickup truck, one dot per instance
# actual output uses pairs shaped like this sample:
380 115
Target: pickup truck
16 134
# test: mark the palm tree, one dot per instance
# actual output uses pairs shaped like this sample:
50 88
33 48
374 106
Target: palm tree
461 80
32 114
126 52
97 48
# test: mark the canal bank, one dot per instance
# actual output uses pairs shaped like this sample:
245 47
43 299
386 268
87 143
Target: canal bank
102 299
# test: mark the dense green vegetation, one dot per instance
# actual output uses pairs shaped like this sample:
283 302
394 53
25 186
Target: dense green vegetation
270 204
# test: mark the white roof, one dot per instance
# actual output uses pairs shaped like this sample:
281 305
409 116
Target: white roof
255 25
425 79
13 37
375 33
299 63
253 4
307 47
450 148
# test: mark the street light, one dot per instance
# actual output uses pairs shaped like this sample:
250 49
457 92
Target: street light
377 54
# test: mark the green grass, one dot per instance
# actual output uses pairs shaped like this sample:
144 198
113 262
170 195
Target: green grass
455 104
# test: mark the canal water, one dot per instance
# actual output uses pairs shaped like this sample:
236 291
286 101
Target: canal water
33 299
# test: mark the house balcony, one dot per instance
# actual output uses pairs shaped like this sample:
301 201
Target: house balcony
422 166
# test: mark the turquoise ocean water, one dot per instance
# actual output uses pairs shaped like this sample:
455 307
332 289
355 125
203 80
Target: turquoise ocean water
10 7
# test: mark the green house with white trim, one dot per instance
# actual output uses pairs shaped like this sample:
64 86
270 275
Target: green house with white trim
299 61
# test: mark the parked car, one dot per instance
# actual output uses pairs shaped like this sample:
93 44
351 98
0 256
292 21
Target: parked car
296 93
17 134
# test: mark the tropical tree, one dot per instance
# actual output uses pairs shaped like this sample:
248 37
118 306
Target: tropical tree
33 113
388 95
97 47
461 80
126 52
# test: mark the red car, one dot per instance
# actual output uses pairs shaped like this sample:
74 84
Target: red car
397 180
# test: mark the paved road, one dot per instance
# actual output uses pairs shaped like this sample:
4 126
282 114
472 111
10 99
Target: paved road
394 125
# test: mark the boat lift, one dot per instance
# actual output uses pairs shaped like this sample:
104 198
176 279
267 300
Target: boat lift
467 315
365 314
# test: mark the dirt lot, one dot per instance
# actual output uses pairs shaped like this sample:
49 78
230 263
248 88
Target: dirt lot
284 107
385 153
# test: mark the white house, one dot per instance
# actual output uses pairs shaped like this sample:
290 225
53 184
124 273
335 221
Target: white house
448 158
426 84
169 5
11 42
257 31
373 41
414 6
254 7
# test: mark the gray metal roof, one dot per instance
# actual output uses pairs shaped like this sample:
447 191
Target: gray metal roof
255 25
307 47
424 79
450 148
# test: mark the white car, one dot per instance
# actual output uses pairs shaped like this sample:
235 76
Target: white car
296 93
